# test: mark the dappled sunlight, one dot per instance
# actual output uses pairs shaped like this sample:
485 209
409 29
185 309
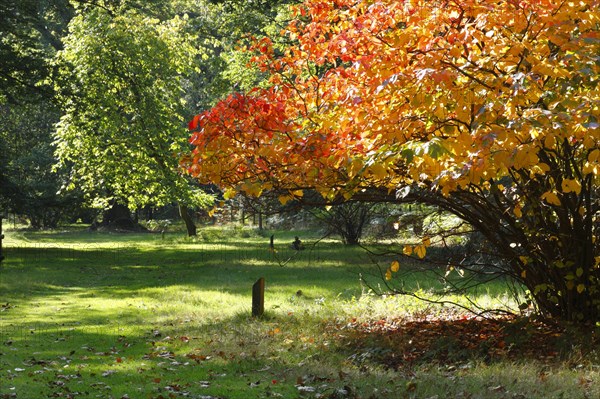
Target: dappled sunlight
176 319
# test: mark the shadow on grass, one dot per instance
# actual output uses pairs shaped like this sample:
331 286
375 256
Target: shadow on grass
236 357
243 357
459 340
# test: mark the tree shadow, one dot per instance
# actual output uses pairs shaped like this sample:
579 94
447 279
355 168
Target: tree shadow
457 340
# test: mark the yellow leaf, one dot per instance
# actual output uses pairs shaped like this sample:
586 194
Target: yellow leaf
298 193
551 198
524 274
284 199
580 288
388 275
229 193
252 189
356 166
571 186
524 259
543 68
570 285
408 250
395 266
420 250
517 211
550 141
378 171
579 272
544 167
589 168
594 155
427 241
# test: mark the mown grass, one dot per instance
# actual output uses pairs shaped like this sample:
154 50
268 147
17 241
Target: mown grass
104 315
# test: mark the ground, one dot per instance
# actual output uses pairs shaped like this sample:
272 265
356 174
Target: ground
143 316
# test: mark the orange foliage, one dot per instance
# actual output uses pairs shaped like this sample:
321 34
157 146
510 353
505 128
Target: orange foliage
446 94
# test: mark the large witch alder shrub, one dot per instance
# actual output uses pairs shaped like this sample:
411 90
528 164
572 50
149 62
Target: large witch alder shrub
488 109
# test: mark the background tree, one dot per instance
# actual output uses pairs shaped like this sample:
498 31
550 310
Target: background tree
349 219
121 88
32 189
222 30
488 110
31 32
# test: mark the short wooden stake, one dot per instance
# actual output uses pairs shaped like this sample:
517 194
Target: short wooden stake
1 237
258 298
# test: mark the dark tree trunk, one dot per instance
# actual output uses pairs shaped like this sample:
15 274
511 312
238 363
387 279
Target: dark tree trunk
118 217
348 220
117 214
187 219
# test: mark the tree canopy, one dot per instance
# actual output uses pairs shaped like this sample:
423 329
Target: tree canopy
122 89
487 109
29 39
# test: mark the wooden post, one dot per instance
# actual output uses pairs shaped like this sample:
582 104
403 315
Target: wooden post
258 297
1 237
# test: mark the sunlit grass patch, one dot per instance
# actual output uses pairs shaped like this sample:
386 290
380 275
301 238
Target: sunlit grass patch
146 317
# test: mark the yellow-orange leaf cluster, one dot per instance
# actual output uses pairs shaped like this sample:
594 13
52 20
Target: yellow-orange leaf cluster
445 94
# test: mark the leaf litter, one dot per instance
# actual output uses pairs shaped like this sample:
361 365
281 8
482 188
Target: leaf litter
401 343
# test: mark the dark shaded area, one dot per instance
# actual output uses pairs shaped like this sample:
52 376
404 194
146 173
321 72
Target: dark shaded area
452 340
118 218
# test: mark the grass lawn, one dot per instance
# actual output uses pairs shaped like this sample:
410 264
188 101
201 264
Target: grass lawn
99 315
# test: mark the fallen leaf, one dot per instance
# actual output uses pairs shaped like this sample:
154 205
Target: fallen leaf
498 388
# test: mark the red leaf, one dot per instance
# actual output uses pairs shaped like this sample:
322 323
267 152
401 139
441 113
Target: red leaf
193 125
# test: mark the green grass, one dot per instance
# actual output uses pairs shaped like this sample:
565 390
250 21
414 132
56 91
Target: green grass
103 315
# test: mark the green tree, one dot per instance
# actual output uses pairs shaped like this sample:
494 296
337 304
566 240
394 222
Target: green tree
30 187
31 32
30 36
222 30
121 80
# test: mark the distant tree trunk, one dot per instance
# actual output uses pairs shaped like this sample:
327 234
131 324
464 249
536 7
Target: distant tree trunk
189 222
348 220
260 221
117 214
149 213
118 217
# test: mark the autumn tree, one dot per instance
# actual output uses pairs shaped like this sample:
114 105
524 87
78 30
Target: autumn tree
487 109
